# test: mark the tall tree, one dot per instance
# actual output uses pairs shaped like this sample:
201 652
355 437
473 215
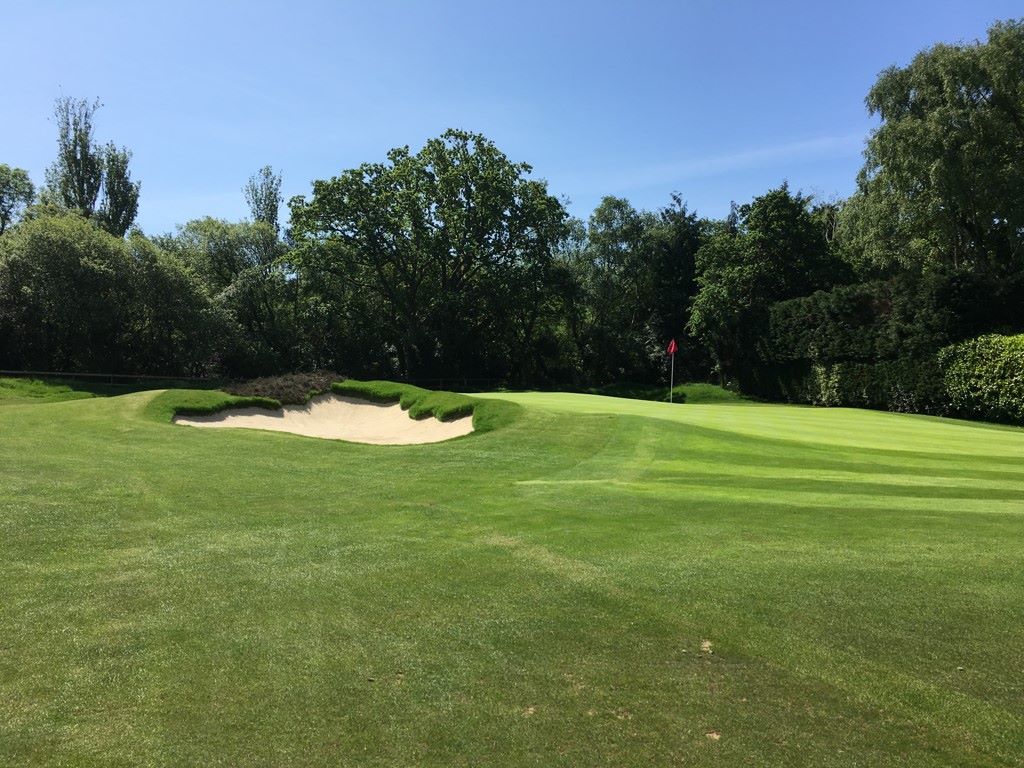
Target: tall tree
777 251
84 169
454 241
76 177
943 182
618 284
120 194
16 192
239 265
673 241
263 194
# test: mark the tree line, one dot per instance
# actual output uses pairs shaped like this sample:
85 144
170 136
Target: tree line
455 262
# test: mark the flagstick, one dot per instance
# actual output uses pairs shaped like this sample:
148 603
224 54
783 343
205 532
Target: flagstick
672 378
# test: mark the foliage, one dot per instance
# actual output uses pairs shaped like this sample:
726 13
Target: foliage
75 298
16 193
120 202
449 248
452 263
777 249
76 176
981 378
290 389
65 294
263 195
175 328
905 385
943 181
984 378
241 266
83 169
626 281
904 316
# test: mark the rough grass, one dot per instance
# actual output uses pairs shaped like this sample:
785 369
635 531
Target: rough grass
16 390
39 391
599 582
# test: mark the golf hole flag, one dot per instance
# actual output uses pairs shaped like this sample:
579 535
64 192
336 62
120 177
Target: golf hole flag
671 352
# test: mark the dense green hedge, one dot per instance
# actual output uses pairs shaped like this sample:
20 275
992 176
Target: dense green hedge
981 378
901 317
984 378
910 385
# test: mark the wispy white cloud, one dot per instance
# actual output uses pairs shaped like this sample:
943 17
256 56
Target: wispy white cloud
666 174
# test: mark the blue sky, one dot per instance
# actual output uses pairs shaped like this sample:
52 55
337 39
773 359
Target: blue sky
717 99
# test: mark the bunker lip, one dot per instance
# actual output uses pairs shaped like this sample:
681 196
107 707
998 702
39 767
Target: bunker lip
338 417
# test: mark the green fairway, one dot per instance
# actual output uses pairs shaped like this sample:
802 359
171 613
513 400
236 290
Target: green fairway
596 581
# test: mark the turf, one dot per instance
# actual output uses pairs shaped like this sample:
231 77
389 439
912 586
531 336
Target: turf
681 393
595 581
14 391
424 403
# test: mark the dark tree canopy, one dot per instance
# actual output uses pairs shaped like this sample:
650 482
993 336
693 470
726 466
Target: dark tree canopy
453 243
778 250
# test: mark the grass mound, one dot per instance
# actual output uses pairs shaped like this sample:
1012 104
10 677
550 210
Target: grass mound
423 403
290 389
706 393
681 393
198 402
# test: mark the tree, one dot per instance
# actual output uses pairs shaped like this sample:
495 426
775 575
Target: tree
120 194
238 263
673 241
454 242
16 192
75 178
174 327
84 169
65 296
617 280
775 250
943 182
263 194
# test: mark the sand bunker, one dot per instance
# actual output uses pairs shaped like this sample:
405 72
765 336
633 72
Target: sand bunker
339 418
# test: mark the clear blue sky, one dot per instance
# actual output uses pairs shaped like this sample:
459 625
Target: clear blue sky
717 99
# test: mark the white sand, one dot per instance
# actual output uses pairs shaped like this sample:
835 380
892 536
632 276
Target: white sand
339 418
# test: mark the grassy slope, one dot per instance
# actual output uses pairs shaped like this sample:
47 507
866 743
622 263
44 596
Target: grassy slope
538 594
15 391
424 403
681 393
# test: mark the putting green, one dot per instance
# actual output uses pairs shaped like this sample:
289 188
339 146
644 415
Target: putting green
597 582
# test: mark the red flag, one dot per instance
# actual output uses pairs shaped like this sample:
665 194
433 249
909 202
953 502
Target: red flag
672 348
